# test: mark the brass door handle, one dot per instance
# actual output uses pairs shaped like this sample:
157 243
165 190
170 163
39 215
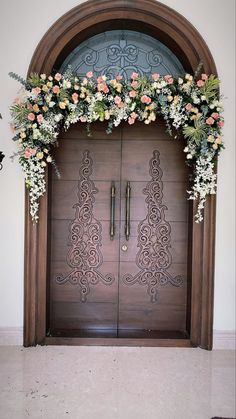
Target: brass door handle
127 211
112 211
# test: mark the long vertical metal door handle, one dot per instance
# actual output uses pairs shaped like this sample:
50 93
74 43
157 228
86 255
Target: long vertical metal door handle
112 211
127 211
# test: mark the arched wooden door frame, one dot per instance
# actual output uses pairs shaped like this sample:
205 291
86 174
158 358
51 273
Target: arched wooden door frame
169 27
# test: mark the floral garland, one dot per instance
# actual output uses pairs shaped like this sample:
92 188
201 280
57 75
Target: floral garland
46 104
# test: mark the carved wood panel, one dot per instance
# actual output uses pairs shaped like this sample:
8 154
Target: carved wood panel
154 239
85 256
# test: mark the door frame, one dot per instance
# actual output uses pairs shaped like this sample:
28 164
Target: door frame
172 29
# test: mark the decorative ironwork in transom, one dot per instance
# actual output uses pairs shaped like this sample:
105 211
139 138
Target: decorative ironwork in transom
122 52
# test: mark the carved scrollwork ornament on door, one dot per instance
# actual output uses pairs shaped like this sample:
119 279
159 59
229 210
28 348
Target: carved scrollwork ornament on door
85 237
154 239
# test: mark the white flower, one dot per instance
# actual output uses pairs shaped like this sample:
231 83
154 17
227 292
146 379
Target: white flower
186 150
189 156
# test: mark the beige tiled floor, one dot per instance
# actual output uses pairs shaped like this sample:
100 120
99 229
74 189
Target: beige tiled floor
120 383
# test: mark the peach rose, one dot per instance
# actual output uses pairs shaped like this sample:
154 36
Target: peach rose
134 115
134 84
58 76
131 121
117 100
29 152
155 76
132 93
146 99
31 116
210 121
204 76
40 118
75 97
200 83
56 89
188 106
36 91
134 76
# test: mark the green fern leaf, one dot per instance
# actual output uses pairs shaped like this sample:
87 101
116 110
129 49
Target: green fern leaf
196 133
211 88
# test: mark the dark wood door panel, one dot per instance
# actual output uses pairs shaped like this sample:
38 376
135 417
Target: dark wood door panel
70 291
96 306
66 193
105 155
61 241
178 248
174 198
135 165
79 316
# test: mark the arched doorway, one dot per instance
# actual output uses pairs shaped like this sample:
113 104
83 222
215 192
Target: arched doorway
183 40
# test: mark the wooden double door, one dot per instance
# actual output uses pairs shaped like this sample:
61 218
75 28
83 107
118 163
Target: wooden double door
118 260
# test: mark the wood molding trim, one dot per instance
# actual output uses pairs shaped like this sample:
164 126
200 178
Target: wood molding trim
162 22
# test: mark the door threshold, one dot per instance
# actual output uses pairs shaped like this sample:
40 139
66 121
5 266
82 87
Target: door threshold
123 337
66 341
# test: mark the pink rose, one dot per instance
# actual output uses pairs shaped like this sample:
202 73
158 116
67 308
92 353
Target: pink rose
29 152
56 89
146 99
31 116
204 76
132 93
40 118
117 100
36 91
100 79
119 77
89 74
134 84
134 115
131 121
215 115
17 100
134 76
188 106
155 76
75 97
210 121
102 87
58 76
200 83
220 124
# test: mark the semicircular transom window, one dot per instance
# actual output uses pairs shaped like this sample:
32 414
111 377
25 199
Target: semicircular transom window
122 52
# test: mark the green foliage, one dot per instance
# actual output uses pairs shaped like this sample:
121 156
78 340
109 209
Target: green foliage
196 133
17 78
20 114
34 79
198 70
210 88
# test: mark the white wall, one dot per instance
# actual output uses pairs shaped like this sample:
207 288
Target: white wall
22 25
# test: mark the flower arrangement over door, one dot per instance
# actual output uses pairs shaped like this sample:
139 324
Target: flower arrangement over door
190 106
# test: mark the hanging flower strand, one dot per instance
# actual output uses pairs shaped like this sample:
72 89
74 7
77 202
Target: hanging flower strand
45 104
